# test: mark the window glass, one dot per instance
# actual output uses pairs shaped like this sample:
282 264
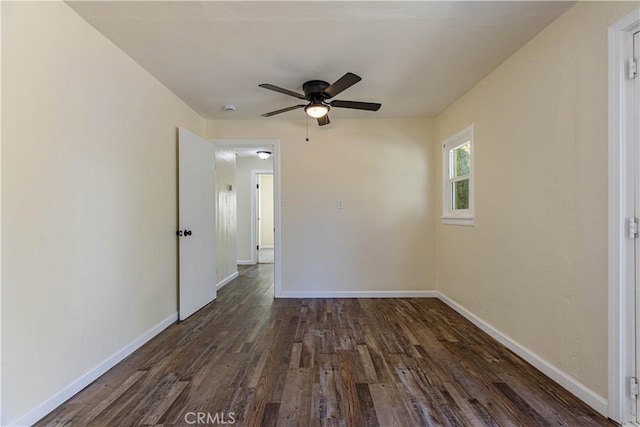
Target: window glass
461 160
461 194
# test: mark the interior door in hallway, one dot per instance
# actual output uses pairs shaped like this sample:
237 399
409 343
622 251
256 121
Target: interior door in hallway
196 233
265 207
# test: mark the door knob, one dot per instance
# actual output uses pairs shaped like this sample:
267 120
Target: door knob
187 232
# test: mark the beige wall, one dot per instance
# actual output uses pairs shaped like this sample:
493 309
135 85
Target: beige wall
88 201
226 213
244 193
535 264
265 213
383 170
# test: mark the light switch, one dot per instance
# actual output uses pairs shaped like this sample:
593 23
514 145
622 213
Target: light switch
340 204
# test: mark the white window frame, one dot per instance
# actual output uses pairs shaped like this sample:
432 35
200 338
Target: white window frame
449 215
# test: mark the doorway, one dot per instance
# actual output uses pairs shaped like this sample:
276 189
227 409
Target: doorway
249 168
265 230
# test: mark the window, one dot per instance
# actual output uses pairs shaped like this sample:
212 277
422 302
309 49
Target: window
457 179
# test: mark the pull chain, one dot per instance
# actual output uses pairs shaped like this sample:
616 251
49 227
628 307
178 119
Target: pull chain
307 128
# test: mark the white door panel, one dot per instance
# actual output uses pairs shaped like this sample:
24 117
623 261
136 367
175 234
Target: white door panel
197 243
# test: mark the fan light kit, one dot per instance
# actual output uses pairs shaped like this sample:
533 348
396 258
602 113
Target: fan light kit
317 92
316 110
264 155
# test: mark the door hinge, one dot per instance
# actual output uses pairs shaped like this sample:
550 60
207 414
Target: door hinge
257 248
633 387
632 68
257 185
633 228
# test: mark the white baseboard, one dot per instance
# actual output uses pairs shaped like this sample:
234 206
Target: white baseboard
225 281
246 262
576 388
359 294
69 391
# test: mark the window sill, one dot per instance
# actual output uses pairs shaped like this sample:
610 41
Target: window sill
468 221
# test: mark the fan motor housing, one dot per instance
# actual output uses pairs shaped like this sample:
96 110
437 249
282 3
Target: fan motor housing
313 89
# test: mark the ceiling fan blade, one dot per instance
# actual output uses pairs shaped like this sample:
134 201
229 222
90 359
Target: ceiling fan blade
324 120
281 90
356 105
284 110
344 82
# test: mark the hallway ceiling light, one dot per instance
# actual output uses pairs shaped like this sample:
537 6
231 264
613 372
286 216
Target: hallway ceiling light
264 155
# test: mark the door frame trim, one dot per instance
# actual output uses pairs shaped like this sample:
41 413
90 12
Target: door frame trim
619 143
277 205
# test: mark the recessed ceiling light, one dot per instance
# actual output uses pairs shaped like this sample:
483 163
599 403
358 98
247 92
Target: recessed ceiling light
230 107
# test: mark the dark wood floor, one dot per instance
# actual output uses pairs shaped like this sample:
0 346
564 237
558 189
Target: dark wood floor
322 362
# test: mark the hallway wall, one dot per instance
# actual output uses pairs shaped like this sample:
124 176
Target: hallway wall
226 214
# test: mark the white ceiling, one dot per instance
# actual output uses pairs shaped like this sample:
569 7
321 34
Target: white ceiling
415 58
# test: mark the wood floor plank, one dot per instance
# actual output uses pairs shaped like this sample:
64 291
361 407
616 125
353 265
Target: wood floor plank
257 369
323 362
315 418
270 418
110 398
329 383
385 397
369 372
156 412
295 408
367 407
528 414
296 353
348 393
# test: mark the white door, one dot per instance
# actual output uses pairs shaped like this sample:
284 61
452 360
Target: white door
196 212
265 211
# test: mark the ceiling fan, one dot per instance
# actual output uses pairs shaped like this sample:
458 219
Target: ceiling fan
317 92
